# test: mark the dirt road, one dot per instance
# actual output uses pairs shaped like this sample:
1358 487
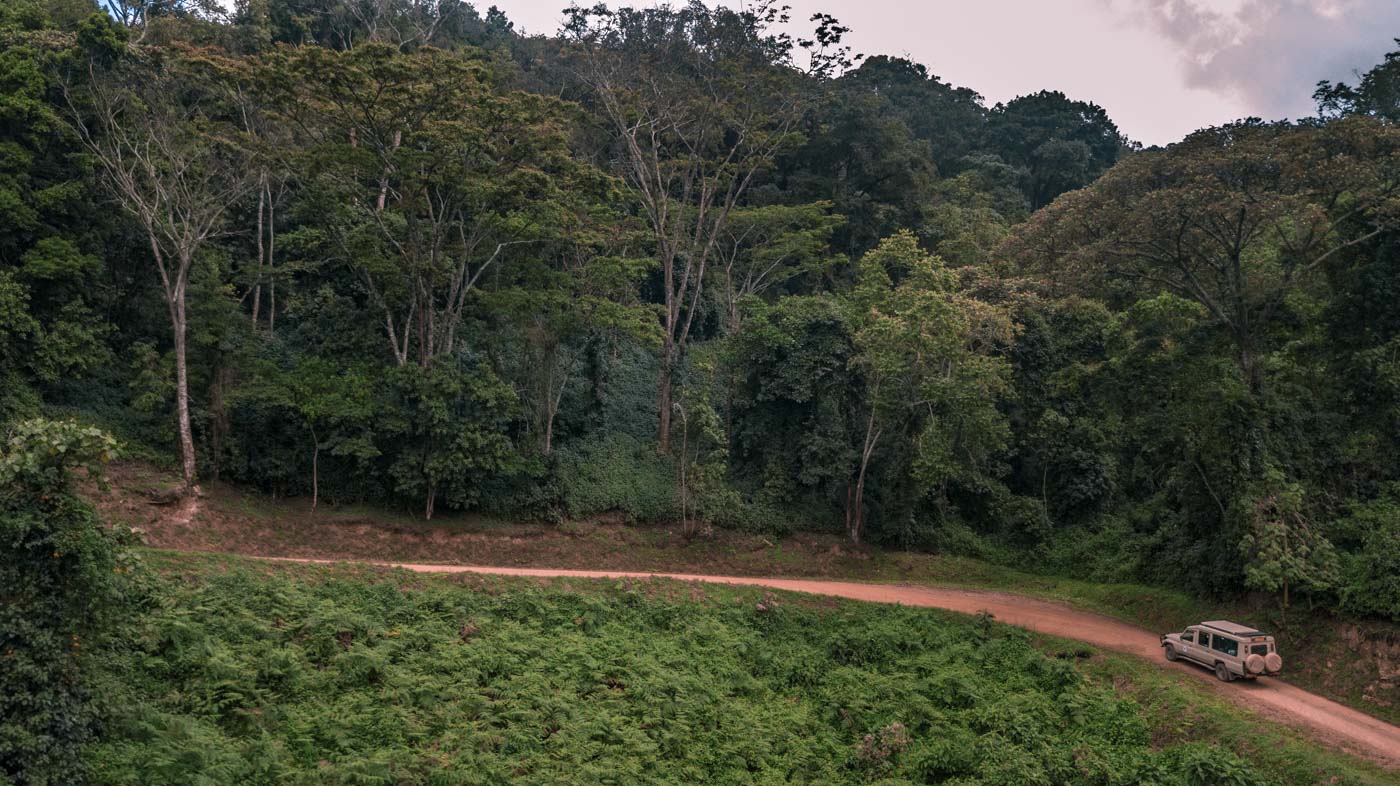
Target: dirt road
1332 723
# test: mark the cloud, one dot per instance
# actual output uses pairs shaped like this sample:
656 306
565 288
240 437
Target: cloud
1270 54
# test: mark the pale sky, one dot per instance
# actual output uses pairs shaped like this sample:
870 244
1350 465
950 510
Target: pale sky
1162 68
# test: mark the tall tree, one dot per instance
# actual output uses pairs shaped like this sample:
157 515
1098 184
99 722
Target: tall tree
698 102
897 383
1059 143
430 174
159 124
1376 93
1282 550
928 357
1235 218
764 247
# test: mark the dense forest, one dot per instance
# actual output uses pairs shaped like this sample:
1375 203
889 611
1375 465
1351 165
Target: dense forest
679 264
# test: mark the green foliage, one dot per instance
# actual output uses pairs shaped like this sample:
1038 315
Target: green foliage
1377 93
449 432
926 354
766 248
412 280
1059 144
65 580
1371 574
245 677
1282 550
616 474
435 173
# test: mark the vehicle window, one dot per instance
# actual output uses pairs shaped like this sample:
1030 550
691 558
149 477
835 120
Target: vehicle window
1228 646
1203 639
1189 637
1260 649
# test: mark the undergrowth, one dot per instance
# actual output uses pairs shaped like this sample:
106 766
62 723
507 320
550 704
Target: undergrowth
251 673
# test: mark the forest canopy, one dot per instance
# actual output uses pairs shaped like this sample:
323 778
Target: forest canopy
679 264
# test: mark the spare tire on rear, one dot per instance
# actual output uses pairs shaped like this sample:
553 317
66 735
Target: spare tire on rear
1255 664
1273 662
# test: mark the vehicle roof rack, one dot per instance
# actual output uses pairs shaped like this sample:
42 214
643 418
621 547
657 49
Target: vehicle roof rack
1232 628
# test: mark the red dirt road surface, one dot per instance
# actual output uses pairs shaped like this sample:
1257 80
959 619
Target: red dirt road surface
1334 724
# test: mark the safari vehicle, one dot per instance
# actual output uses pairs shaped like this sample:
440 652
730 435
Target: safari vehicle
1234 651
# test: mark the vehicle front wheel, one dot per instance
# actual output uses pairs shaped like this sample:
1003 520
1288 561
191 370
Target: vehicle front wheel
1171 653
1223 674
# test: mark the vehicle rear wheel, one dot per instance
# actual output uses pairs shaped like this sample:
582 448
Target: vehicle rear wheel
1171 652
1223 674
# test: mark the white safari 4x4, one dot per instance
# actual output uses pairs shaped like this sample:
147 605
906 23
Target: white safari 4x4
1234 651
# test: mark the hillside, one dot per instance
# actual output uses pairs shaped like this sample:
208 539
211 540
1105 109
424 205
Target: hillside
691 286
252 673
414 259
1352 661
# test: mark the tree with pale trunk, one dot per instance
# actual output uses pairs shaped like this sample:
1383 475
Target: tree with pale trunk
159 125
698 103
431 176
762 248
929 357
1283 551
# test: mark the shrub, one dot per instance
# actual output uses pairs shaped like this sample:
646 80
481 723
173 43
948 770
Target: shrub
1371 576
1103 550
62 576
759 517
617 474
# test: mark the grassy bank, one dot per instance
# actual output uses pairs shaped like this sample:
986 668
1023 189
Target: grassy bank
247 672
230 519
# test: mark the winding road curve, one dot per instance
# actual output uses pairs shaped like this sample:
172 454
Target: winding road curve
1334 724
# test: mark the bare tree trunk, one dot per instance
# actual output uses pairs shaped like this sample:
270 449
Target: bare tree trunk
257 281
663 402
855 506
852 525
1249 364
858 510
683 475
182 389
159 162
550 381
315 469
552 414
271 250
383 198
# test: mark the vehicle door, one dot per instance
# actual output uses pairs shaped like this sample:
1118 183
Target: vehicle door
1199 649
1188 640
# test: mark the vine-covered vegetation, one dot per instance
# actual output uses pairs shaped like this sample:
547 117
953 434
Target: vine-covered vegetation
66 586
679 264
